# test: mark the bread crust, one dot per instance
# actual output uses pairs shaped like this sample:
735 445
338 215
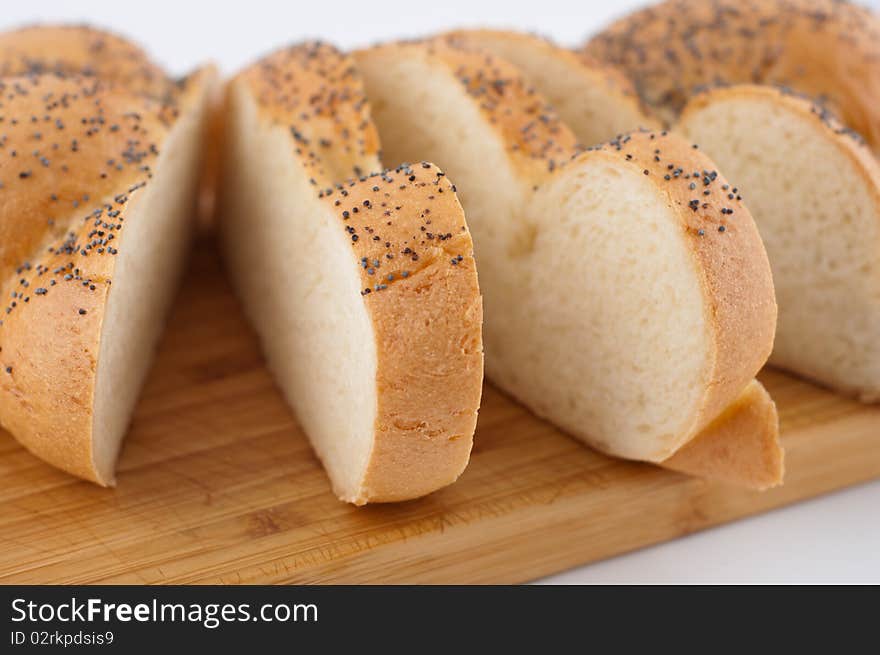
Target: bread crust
585 69
727 251
419 282
85 116
824 48
47 382
610 79
84 50
81 50
429 380
740 447
532 133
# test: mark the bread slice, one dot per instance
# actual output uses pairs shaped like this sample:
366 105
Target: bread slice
825 48
595 100
615 307
97 184
360 282
814 189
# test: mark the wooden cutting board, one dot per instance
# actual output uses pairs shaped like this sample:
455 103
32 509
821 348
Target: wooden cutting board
218 485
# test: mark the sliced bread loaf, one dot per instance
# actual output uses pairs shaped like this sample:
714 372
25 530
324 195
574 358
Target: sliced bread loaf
627 298
97 182
814 188
595 100
359 281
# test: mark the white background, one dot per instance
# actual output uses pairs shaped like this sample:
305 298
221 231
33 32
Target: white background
832 539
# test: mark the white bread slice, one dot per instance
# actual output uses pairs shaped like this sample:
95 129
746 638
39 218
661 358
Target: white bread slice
827 49
98 185
814 189
360 283
596 101
612 308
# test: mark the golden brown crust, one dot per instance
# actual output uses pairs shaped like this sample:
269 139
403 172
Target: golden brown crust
609 77
825 48
420 287
740 447
62 217
49 359
535 138
88 141
728 254
82 50
591 68
419 282
317 93
582 68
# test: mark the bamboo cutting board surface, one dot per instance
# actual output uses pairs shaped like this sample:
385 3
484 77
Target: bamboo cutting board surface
218 485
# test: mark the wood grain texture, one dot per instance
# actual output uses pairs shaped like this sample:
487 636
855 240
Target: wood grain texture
218 485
